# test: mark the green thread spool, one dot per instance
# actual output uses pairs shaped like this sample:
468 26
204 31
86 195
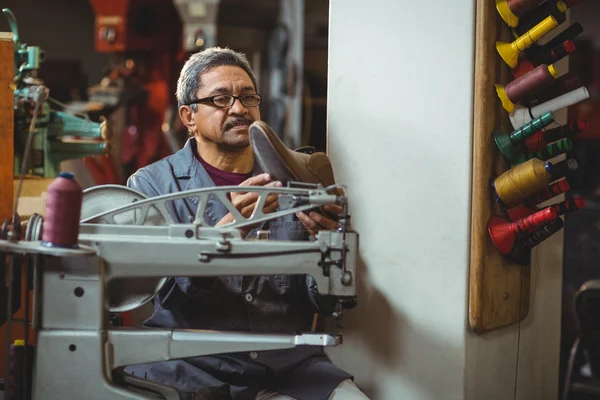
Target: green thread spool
552 150
509 145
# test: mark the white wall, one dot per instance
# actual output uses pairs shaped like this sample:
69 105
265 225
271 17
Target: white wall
399 131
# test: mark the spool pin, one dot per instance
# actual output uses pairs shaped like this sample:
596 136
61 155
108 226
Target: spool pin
504 233
565 207
523 181
532 82
509 144
521 252
542 138
512 10
521 116
510 51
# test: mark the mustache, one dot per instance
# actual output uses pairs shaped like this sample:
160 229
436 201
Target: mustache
233 122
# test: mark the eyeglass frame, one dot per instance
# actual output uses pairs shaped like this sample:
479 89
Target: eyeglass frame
210 99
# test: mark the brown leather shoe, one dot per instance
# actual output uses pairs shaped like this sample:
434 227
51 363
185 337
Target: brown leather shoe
284 164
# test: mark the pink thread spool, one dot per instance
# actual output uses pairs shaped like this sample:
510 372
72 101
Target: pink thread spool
526 85
520 7
63 209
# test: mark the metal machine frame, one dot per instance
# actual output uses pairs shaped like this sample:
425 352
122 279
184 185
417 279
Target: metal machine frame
78 352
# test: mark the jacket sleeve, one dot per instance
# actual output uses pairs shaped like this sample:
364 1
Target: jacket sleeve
177 290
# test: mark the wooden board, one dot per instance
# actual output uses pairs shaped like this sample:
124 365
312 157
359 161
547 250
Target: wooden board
499 289
7 70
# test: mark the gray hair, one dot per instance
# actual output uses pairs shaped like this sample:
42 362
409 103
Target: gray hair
189 80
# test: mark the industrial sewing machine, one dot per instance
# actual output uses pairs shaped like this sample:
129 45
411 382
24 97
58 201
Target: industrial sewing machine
127 243
57 136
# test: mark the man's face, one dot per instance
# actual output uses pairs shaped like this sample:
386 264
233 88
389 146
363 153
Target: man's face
227 127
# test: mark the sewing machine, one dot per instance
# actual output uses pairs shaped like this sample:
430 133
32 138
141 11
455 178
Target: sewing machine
123 255
57 136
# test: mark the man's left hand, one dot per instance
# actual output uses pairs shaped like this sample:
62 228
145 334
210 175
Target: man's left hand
315 222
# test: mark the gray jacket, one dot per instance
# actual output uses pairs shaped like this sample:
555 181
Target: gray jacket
264 304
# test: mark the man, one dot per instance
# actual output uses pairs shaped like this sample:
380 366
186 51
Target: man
218 100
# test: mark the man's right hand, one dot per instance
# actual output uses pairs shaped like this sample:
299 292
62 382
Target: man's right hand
245 202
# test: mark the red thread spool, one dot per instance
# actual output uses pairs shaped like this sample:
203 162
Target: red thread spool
63 210
522 68
558 187
542 138
529 205
504 233
565 207
562 50
520 7
568 206
537 79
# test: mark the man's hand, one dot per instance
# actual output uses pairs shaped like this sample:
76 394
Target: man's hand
314 222
245 202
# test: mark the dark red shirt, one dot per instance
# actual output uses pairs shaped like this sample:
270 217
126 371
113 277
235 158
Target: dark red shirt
222 178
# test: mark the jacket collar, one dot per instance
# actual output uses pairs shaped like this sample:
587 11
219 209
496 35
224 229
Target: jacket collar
187 167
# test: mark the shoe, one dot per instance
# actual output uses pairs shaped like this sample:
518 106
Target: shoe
284 164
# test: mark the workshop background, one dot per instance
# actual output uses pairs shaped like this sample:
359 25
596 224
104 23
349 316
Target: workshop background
285 41
395 115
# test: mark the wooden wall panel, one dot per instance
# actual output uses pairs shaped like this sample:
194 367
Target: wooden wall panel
499 289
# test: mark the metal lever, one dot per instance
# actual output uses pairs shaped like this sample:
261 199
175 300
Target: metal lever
150 345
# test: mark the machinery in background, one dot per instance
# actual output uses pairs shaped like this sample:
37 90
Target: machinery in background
142 37
55 136
149 40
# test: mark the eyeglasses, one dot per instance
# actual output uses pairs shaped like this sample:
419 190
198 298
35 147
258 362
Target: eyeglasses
226 100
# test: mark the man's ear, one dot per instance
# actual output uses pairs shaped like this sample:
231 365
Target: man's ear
187 117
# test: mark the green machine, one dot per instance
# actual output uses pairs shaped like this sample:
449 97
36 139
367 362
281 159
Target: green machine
56 136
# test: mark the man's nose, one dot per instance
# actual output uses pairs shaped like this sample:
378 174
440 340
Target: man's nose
238 108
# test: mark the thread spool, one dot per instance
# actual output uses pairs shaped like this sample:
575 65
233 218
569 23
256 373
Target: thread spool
559 187
556 9
521 116
565 207
555 54
504 233
521 252
19 378
529 205
526 179
569 206
63 209
550 151
508 144
570 33
510 51
564 84
543 56
512 10
542 138
532 82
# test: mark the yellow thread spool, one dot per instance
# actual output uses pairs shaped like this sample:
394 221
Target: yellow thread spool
507 15
522 181
510 51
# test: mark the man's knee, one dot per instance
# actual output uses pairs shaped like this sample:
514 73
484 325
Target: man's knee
347 390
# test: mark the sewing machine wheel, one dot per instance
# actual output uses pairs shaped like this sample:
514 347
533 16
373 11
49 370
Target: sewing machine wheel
123 294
